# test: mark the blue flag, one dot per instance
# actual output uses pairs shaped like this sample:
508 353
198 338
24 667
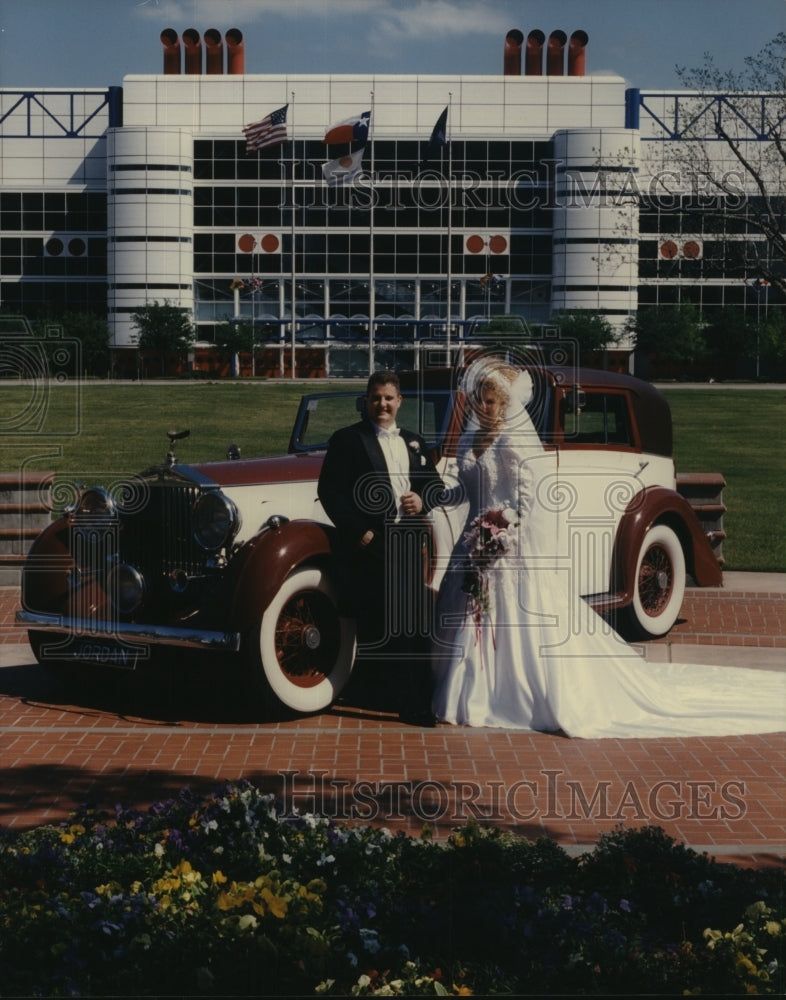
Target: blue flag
438 138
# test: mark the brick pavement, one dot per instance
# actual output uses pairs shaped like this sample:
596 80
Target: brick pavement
136 744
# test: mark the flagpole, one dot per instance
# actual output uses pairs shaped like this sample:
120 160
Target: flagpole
450 227
371 295
292 238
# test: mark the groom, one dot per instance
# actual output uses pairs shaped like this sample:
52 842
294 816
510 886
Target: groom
377 483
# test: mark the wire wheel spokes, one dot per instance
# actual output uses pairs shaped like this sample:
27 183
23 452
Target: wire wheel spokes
656 579
308 638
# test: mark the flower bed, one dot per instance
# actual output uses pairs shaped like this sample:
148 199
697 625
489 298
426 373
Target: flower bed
225 896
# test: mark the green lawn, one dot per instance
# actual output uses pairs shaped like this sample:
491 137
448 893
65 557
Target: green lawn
104 430
742 434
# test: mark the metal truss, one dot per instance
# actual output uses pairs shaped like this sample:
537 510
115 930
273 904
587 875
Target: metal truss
753 117
21 119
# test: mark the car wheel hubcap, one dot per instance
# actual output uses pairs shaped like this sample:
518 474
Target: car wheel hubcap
311 637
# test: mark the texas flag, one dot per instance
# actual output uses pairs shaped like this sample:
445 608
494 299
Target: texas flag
350 130
344 169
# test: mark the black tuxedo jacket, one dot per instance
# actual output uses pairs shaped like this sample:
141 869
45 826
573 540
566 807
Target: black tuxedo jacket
354 485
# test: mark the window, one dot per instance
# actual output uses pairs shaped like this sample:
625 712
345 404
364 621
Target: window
600 418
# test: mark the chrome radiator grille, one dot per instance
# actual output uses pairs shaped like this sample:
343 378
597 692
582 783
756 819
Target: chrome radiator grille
179 551
158 538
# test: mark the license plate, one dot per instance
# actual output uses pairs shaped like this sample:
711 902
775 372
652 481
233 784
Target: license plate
105 652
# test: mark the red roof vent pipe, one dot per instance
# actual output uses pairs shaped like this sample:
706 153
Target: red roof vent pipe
577 56
193 45
214 52
236 56
555 53
533 53
171 43
511 60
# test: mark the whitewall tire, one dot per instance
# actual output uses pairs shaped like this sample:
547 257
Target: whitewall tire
659 584
302 651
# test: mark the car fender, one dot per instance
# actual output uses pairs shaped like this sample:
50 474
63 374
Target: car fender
45 582
653 505
267 560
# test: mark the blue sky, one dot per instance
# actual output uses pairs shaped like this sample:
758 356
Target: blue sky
76 43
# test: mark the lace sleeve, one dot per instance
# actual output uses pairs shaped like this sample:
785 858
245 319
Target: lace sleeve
516 484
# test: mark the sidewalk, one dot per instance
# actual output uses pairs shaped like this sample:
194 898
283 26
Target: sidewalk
357 761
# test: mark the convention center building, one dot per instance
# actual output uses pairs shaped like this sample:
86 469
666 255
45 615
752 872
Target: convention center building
348 222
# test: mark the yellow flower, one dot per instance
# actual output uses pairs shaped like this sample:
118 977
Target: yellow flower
219 878
744 964
226 901
276 904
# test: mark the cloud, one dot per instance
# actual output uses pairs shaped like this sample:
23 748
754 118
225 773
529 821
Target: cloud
246 12
423 19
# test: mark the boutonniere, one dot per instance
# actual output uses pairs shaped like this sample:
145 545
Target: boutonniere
415 446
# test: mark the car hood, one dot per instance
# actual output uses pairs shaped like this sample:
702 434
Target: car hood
253 471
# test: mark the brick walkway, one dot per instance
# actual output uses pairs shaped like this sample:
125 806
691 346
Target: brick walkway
135 745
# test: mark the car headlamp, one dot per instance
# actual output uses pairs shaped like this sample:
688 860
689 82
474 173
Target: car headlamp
95 502
126 588
215 520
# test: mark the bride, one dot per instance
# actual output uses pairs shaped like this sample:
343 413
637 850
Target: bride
515 645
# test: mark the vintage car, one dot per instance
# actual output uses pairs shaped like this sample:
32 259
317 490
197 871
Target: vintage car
235 557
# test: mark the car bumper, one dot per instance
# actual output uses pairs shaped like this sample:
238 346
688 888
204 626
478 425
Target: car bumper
159 635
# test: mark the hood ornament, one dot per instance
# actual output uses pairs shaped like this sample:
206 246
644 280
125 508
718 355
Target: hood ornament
171 458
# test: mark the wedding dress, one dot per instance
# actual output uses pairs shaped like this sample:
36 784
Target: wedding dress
526 652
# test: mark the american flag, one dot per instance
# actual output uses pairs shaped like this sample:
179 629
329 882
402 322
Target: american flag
270 131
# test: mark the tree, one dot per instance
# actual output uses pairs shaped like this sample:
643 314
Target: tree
731 337
772 343
589 329
92 333
235 336
164 328
732 147
672 333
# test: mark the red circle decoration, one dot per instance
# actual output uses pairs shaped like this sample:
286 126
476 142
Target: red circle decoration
691 250
475 244
270 243
669 250
498 244
246 243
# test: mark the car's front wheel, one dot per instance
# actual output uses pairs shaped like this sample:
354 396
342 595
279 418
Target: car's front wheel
302 651
659 585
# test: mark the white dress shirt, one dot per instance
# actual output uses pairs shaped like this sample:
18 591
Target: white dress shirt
394 448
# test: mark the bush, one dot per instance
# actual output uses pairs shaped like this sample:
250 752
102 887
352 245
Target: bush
224 895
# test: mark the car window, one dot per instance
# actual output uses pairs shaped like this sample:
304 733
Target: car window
602 418
426 413
320 416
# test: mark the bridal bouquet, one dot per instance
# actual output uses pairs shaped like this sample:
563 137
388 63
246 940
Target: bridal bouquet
487 538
